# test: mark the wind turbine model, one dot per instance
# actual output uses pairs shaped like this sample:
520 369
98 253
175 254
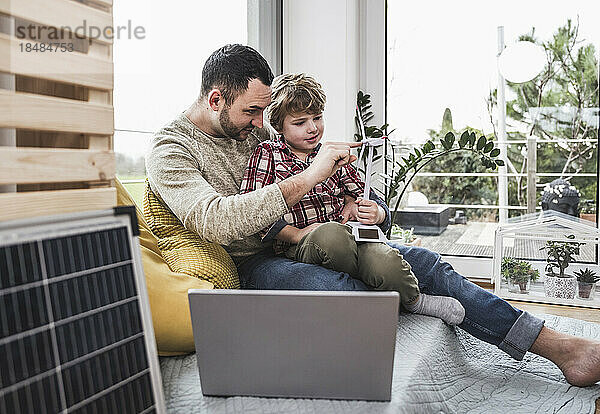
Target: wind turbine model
368 142
365 232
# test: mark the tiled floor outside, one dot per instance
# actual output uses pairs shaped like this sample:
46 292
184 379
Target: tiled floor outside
477 239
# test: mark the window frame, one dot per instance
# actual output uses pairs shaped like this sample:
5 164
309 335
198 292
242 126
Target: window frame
265 31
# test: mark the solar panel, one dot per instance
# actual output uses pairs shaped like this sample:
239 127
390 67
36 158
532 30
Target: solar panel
76 333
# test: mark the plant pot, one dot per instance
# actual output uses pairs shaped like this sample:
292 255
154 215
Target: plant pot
519 287
560 287
588 216
586 290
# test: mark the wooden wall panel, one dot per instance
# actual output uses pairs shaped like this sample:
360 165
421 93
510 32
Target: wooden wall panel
44 203
57 13
40 165
72 67
31 111
60 110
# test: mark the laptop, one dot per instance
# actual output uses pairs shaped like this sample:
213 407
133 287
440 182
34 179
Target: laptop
305 344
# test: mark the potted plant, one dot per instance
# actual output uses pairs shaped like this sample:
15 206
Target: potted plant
588 210
518 274
559 284
587 280
405 237
403 171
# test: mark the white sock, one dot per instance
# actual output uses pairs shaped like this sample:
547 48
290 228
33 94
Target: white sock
446 308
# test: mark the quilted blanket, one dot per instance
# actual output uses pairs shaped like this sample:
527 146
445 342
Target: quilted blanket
437 369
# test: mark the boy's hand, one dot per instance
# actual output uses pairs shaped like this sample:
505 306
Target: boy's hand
331 156
350 210
369 212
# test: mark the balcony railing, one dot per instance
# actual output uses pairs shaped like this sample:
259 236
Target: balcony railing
531 174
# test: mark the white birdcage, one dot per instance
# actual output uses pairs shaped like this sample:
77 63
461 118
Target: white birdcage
522 238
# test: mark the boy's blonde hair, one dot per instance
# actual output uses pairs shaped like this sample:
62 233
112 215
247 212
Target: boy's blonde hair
294 93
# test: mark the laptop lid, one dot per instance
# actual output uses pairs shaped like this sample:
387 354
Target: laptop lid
310 344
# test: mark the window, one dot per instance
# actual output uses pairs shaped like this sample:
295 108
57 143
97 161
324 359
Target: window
159 76
442 75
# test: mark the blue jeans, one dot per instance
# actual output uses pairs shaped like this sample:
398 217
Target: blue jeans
487 317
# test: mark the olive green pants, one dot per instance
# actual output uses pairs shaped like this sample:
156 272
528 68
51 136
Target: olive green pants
332 246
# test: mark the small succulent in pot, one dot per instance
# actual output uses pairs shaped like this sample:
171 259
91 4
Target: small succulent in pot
519 273
587 279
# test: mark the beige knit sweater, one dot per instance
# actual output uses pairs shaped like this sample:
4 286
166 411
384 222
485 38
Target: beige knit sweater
198 178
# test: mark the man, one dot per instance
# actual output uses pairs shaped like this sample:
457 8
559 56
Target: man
195 167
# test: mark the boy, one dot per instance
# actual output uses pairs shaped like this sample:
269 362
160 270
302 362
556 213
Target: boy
313 230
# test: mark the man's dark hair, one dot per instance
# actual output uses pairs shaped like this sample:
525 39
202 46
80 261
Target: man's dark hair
231 67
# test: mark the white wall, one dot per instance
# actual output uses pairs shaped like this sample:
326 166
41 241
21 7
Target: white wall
321 38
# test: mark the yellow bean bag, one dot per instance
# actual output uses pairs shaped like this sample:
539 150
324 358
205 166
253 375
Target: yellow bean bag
167 290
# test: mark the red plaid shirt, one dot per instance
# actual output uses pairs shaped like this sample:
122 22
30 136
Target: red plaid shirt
273 161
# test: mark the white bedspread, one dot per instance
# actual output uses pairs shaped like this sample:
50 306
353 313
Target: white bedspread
436 369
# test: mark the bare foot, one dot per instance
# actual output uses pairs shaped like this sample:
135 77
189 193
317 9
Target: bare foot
582 367
577 358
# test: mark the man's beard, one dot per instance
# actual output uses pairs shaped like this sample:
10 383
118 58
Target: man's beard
228 127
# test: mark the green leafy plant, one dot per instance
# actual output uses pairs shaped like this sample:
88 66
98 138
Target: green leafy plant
405 236
363 104
586 276
406 169
518 271
588 207
560 256
456 189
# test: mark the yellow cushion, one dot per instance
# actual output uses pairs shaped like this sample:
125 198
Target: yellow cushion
184 251
167 291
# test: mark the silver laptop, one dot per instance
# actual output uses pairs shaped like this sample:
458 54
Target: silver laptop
307 344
